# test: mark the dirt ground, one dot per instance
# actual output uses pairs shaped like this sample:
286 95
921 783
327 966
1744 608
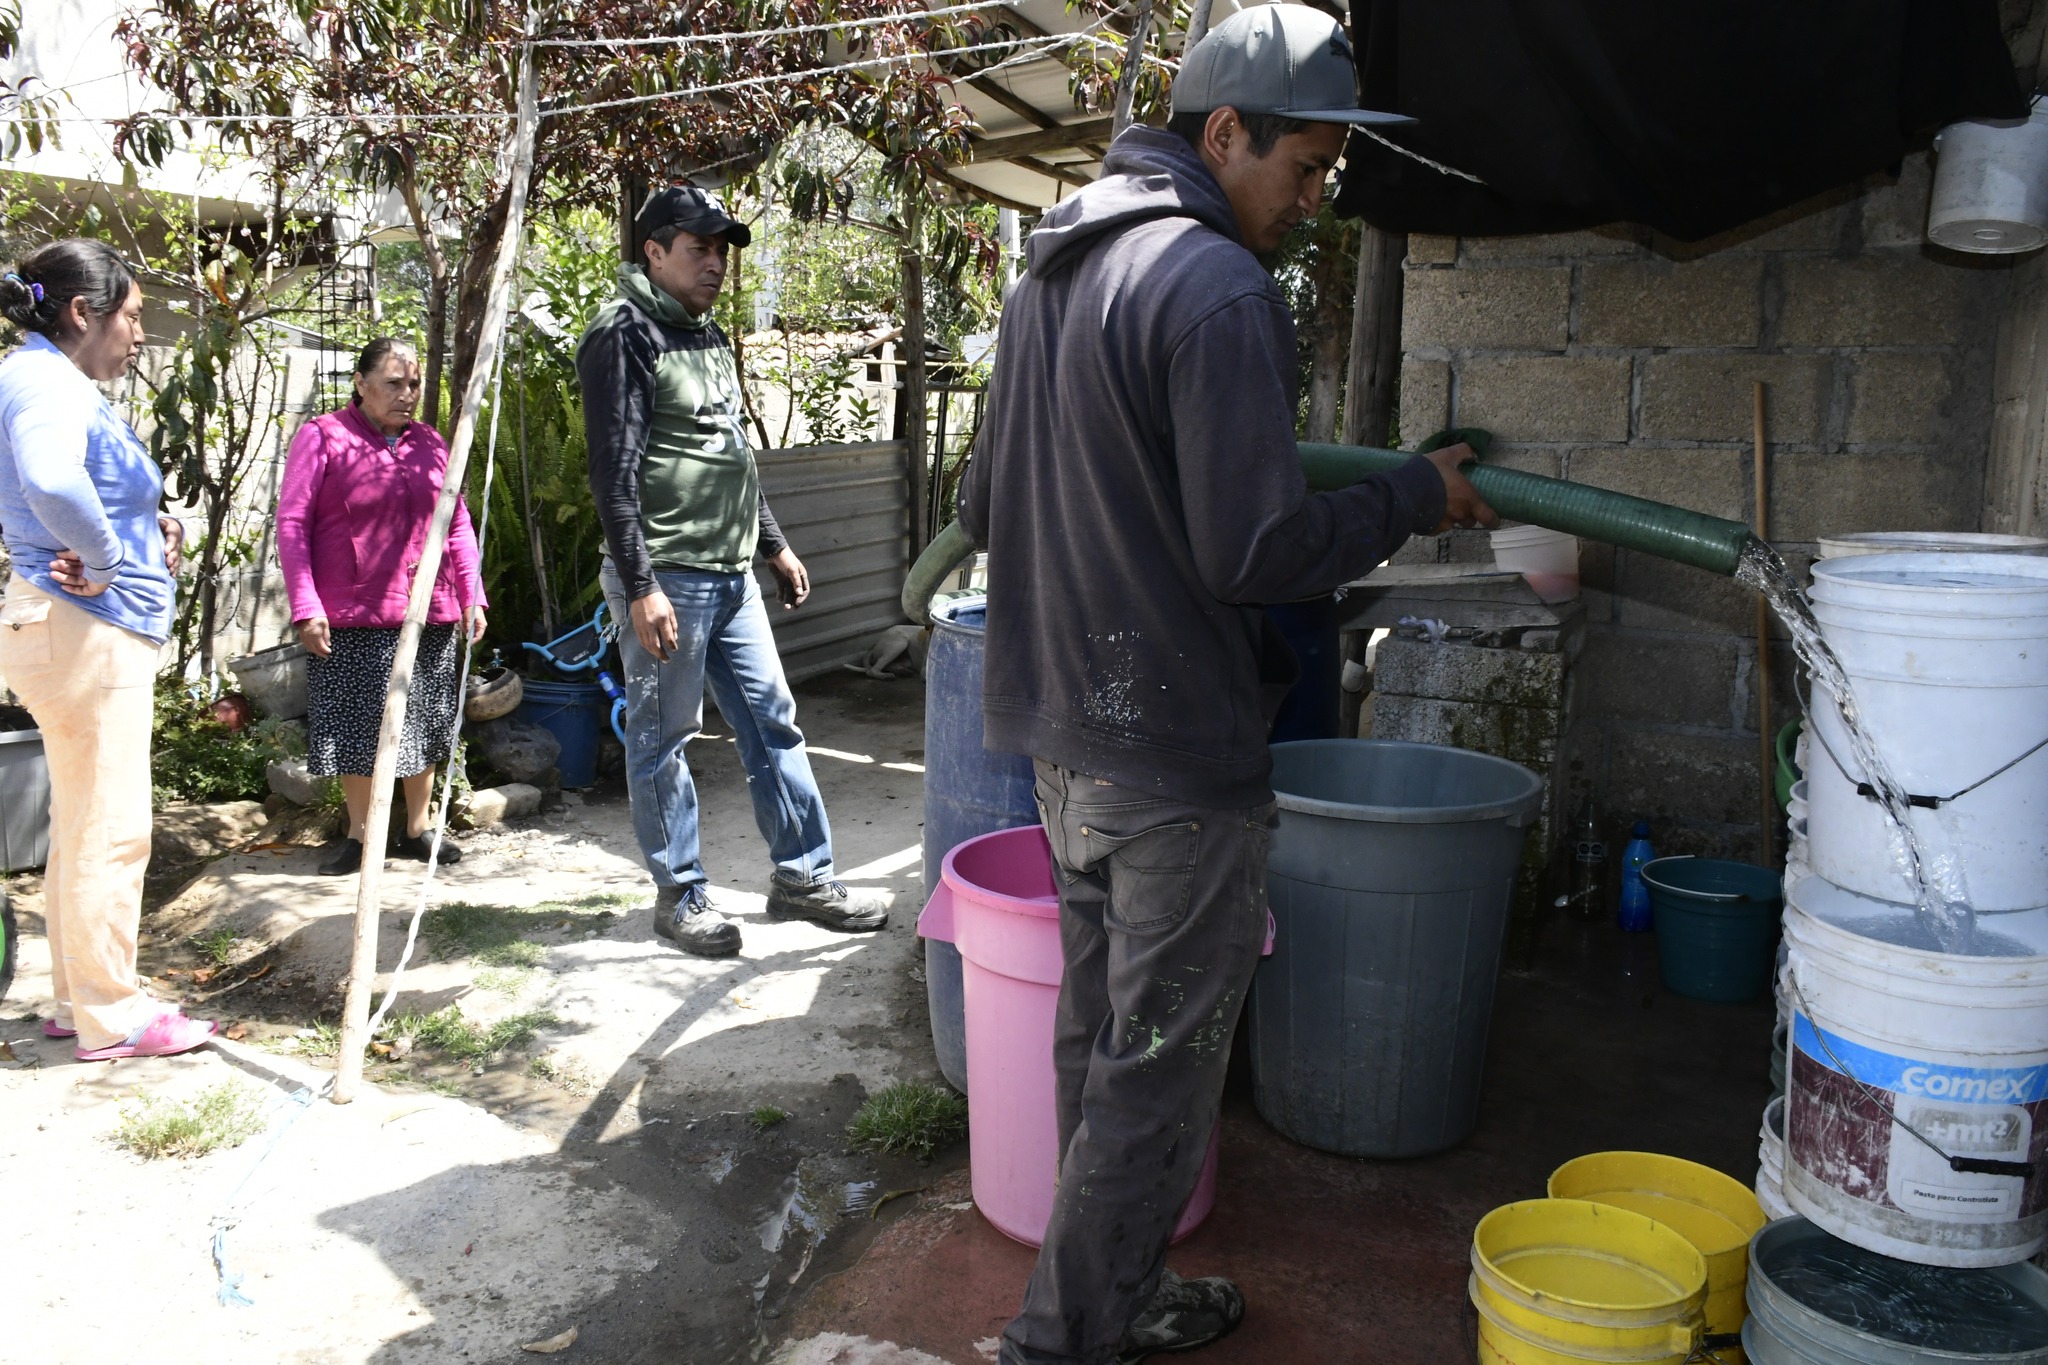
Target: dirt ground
607 1174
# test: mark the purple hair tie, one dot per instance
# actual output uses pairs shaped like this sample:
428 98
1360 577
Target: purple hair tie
35 290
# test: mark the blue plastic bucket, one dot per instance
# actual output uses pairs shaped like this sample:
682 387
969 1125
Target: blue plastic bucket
1717 926
575 713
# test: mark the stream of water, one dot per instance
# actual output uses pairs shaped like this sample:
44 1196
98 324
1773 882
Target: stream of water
1943 902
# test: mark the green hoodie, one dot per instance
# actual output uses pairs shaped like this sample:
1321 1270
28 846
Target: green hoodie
670 467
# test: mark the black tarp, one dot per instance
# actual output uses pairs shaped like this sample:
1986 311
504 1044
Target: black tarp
1689 117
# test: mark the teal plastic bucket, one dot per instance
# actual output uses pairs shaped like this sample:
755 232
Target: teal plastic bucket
1717 926
575 713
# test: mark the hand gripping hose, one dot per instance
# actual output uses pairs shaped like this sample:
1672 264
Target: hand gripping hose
1711 543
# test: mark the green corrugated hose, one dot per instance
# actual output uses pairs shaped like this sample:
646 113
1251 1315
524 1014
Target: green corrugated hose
1711 543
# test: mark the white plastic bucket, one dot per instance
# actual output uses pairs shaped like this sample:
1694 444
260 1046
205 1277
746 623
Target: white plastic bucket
1929 542
1548 559
1887 1035
1991 185
1770 1162
1948 658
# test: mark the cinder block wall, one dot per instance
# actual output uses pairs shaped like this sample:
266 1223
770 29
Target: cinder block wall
1612 358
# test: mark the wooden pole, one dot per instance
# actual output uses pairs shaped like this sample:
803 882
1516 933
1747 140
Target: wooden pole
915 400
355 1018
1376 342
1767 804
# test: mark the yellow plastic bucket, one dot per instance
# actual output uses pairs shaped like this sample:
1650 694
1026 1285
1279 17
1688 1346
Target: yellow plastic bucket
1559 1281
1717 1214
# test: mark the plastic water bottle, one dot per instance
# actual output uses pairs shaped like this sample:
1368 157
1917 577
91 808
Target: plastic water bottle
1635 896
1589 866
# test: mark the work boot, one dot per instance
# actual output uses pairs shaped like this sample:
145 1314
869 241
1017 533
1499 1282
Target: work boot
348 857
1183 1315
829 904
683 915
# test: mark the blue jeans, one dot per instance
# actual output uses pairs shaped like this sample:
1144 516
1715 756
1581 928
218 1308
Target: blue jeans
722 638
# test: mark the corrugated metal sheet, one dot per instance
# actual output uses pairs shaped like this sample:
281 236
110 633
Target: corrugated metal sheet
846 511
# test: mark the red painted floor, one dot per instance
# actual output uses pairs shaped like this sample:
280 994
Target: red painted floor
1347 1260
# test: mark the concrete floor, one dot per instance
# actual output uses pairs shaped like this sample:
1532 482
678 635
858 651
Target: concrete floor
1346 1260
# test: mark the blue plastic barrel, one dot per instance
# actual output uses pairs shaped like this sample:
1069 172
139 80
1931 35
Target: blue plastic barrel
968 792
575 713
1312 709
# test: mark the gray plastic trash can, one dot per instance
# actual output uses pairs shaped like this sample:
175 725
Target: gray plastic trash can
1390 879
24 801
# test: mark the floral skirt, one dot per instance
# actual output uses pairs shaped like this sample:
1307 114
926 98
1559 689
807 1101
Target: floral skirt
345 700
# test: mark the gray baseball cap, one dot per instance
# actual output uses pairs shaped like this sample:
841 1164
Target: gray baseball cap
1275 59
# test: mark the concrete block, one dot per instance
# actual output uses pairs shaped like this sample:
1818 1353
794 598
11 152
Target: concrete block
1714 302
1619 239
1518 733
1425 399
1818 495
1529 459
1659 776
1498 309
1895 213
1709 397
1424 249
1460 672
1900 398
1711 481
495 805
1546 398
1658 594
1893 299
289 779
1665 679
1817 224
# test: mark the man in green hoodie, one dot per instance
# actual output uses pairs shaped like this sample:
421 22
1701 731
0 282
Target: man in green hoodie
683 514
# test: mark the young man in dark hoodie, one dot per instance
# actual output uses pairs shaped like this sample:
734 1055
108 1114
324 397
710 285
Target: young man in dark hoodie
1137 487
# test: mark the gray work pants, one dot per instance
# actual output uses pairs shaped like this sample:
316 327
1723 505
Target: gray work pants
1162 915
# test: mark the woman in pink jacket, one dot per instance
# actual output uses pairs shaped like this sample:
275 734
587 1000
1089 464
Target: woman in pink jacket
359 489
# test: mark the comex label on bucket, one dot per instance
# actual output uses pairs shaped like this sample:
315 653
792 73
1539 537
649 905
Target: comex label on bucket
1914 1076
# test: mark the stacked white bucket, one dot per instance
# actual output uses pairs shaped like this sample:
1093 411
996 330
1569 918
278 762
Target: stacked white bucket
1915 1120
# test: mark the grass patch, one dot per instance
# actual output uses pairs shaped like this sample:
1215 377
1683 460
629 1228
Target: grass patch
913 1119
445 1031
217 945
766 1116
321 1040
507 981
429 1083
226 1115
497 935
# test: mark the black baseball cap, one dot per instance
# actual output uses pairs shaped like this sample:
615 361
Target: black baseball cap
694 211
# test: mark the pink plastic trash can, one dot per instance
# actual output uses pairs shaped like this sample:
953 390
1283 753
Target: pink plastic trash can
996 902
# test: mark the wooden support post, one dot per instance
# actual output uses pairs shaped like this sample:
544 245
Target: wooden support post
1376 342
362 975
1767 800
915 412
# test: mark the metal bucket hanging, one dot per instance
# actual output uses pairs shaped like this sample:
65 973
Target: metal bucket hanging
1991 185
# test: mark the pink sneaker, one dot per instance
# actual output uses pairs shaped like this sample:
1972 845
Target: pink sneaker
167 1034
53 1029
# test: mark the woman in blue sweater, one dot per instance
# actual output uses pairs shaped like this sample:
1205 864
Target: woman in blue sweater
86 611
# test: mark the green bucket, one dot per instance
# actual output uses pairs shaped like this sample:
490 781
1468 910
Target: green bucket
1717 926
1788 770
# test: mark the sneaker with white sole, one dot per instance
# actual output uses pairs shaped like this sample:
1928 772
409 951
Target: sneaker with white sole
683 915
1184 1315
830 904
